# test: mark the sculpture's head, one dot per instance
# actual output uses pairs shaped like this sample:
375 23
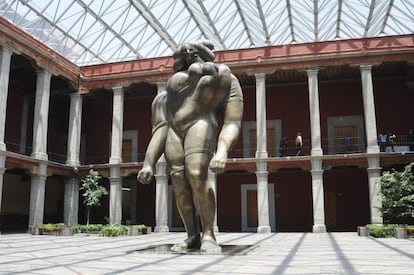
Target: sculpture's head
189 53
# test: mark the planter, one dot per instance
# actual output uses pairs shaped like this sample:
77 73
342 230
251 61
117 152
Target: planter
400 233
363 231
57 231
138 230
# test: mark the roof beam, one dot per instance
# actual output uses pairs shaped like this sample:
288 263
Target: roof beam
154 23
109 28
212 24
262 19
289 11
316 20
200 26
338 20
369 19
27 3
243 19
386 16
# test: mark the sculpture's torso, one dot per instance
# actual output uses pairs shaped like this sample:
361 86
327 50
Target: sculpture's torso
189 102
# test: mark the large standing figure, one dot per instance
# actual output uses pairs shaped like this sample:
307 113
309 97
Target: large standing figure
185 124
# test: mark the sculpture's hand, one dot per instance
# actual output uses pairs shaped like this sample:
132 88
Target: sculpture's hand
145 175
218 162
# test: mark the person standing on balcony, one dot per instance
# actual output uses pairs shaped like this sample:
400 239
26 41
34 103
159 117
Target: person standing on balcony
299 143
283 146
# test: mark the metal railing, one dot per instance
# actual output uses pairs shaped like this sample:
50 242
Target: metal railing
354 145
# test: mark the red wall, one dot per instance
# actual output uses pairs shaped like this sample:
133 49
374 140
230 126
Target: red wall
293 200
13 118
96 126
137 116
352 200
394 103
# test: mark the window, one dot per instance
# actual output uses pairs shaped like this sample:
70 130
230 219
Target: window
345 134
273 134
346 139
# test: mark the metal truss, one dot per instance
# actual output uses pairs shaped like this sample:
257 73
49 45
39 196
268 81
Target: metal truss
99 31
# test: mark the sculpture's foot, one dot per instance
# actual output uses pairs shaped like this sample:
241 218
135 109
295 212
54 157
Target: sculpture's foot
210 246
192 242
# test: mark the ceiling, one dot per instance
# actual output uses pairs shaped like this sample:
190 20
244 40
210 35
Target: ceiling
100 31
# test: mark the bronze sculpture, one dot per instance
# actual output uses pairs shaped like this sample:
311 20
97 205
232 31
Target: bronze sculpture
185 125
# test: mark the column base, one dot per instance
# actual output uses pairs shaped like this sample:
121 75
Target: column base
319 228
161 229
264 229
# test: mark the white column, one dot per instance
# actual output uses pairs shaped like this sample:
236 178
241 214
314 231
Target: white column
71 201
161 196
115 192
74 131
316 154
5 61
369 109
261 151
261 155
117 125
115 196
2 170
314 112
375 203
318 197
41 115
37 195
374 169
23 125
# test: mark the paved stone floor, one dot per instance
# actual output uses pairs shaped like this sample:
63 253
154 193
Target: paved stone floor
276 253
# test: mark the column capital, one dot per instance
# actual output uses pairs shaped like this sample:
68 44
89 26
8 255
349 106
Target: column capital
118 89
312 71
6 49
365 67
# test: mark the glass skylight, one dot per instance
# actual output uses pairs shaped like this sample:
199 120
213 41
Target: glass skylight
101 31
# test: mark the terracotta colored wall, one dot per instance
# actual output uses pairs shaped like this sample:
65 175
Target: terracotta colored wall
289 103
58 125
229 200
96 126
293 201
13 117
137 116
352 197
394 106
146 204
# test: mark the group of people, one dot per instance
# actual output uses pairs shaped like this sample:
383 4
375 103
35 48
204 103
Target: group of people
386 139
389 139
283 145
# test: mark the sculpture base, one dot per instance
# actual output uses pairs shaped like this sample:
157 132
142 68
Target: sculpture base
166 249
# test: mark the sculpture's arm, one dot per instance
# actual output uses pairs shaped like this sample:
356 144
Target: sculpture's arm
233 114
157 143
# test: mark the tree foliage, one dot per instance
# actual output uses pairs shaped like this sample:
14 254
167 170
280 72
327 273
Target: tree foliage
92 191
397 193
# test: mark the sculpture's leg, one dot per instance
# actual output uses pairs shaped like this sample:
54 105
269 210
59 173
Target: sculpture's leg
174 155
185 206
204 199
198 148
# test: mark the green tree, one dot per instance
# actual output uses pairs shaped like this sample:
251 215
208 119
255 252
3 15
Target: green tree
92 192
397 193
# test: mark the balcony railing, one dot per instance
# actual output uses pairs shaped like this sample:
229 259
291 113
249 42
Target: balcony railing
402 143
